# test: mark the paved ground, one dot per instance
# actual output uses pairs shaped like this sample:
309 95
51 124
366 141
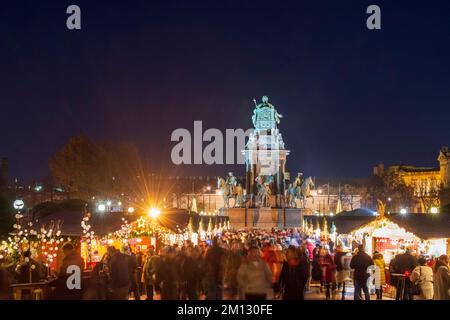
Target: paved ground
314 294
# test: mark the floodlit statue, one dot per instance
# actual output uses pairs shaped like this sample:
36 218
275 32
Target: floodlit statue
222 186
265 158
239 196
231 182
230 189
381 208
298 180
295 190
293 194
264 191
306 187
264 115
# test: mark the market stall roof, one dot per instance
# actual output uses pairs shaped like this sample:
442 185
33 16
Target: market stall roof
178 219
361 212
425 226
70 222
69 219
344 223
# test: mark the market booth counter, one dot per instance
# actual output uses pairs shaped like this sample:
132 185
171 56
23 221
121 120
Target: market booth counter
424 234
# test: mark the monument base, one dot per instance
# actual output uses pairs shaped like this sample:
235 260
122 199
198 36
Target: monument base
294 218
264 218
237 217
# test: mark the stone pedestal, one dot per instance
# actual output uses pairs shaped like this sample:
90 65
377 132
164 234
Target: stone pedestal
238 217
293 218
264 218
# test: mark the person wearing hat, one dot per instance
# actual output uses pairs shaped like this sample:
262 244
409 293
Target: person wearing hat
442 278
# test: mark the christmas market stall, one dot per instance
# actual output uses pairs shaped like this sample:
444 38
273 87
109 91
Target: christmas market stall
424 234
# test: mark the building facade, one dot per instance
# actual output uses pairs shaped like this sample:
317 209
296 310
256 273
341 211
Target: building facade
425 181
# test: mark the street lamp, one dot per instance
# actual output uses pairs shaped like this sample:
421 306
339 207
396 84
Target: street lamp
18 204
434 210
403 211
101 207
130 210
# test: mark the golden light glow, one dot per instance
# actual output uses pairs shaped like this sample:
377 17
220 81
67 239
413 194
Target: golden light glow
154 212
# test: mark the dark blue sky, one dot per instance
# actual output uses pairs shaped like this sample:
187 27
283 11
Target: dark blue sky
140 69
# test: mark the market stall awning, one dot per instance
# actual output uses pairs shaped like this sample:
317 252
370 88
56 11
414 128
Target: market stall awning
344 223
425 226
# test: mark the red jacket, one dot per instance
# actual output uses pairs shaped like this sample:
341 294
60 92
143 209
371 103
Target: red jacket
329 268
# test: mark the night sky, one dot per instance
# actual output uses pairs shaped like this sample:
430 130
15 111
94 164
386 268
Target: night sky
138 70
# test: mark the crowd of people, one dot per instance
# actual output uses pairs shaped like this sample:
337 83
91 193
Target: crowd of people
279 264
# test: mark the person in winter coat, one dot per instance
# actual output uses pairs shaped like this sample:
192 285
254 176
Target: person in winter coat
150 270
140 259
294 275
329 269
29 270
342 273
441 279
232 262
214 270
167 275
133 272
274 258
254 277
316 273
310 247
378 260
423 276
191 275
71 258
119 274
403 263
98 282
360 262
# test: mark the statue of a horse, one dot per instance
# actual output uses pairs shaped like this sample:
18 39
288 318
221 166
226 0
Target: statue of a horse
294 194
229 191
239 196
306 187
226 194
